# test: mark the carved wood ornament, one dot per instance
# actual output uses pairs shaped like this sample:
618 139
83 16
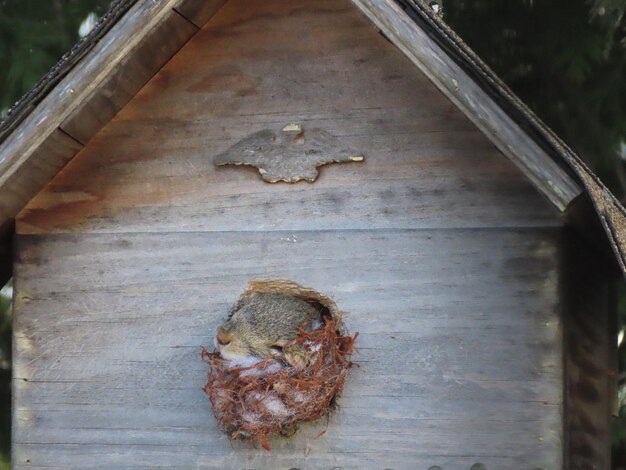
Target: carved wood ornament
290 156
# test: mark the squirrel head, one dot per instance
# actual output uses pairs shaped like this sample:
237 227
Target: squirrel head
262 324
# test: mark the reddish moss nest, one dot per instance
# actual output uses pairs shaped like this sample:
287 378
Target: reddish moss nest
271 396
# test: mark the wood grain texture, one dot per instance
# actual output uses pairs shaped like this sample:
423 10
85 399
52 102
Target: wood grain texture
477 105
199 11
35 146
289 156
22 181
460 348
129 75
252 68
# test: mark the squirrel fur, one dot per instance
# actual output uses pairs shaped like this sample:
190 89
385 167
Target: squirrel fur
262 324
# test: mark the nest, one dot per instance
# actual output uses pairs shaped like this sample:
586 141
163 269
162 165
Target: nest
271 396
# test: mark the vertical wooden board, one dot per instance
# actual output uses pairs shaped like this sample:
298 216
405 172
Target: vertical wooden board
459 355
22 182
6 252
128 76
199 11
252 68
589 310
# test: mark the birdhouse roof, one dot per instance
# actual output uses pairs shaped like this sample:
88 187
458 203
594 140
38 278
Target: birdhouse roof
40 135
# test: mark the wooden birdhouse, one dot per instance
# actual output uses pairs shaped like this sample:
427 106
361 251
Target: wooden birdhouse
358 147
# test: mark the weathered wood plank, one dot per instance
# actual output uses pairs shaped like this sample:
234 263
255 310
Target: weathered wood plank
251 68
33 145
477 105
129 75
22 182
460 347
199 11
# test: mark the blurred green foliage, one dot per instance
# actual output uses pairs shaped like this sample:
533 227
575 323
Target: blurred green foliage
566 59
619 423
34 34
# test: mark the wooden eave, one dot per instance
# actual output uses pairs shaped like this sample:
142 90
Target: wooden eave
52 123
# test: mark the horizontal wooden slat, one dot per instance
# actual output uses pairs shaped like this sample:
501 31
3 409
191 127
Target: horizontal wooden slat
460 355
251 68
477 105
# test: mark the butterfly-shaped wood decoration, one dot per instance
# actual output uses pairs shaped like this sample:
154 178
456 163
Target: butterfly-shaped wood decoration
291 155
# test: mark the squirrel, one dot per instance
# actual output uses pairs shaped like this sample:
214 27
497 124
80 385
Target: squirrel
262 324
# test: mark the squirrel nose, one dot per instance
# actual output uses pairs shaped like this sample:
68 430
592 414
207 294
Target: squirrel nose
222 339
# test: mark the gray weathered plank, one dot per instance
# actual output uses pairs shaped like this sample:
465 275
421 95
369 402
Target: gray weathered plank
199 11
251 68
477 105
460 347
